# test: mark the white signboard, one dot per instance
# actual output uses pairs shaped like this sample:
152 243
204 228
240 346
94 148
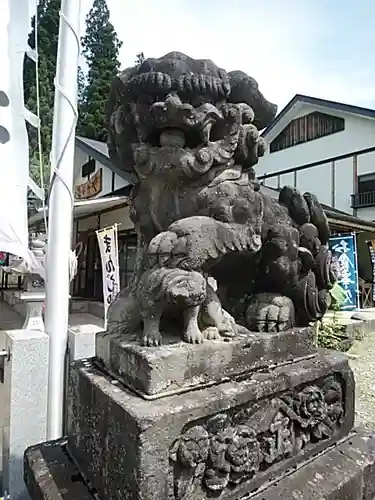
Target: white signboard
108 246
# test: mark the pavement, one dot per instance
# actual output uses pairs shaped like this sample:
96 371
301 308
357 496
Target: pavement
9 317
350 317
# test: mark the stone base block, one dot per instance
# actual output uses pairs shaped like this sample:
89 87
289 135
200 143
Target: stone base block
346 471
178 366
219 442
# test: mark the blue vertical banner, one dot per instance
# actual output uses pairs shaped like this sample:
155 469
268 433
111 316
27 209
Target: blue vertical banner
344 256
371 249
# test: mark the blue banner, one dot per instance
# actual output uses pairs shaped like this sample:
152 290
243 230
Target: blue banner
371 249
3 262
344 256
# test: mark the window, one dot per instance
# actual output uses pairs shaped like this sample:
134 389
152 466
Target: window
88 282
365 197
307 128
366 183
88 168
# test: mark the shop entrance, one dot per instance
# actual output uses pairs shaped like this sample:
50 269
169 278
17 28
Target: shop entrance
94 280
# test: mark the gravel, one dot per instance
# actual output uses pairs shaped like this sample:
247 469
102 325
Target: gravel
362 361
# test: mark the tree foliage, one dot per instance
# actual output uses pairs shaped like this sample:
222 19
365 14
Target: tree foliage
81 82
101 47
139 59
48 32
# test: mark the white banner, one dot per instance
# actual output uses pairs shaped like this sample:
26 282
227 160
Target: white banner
14 148
108 246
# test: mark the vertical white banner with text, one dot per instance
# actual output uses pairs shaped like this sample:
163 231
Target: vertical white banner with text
108 246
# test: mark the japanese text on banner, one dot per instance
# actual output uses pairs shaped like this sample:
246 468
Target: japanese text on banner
344 257
371 248
108 246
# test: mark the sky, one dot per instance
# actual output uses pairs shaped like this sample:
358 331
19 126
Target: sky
322 48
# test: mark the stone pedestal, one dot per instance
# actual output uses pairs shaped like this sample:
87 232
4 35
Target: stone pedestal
34 297
23 412
228 420
155 372
34 303
229 438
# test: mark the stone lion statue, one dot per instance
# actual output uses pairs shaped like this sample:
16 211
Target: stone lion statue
215 254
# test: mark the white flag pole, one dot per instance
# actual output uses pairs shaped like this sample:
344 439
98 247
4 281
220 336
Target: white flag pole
61 209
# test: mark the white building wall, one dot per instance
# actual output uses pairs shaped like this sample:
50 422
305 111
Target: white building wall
80 158
367 213
287 179
359 134
366 162
120 216
316 180
332 185
344 185
119 182
366 165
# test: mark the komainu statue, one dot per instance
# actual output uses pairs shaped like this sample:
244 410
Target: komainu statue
215 253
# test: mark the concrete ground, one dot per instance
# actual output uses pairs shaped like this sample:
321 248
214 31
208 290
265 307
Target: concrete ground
9 317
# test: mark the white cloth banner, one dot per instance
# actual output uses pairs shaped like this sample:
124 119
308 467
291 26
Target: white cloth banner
14 150
108 246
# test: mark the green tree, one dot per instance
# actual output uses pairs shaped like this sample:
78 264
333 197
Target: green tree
48 32
139 59
34 172
81 81
101 47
